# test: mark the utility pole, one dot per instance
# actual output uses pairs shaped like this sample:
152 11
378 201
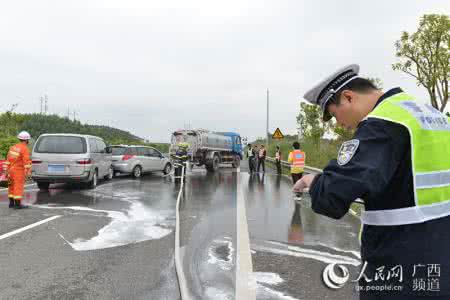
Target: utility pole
42 101
267 122
68 112
46 103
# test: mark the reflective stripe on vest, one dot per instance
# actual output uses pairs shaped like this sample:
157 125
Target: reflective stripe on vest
13 153
429 132
298 158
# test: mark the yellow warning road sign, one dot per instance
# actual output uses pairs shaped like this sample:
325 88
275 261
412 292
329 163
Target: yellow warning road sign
277 135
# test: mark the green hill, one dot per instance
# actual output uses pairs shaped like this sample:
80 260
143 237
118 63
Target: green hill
37 124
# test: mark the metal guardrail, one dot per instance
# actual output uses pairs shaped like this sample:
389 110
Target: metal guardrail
285 164
309 170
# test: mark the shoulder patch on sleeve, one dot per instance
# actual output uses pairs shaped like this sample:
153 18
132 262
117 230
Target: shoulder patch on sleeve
347 151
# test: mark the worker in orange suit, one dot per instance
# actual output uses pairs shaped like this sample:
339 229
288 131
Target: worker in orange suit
18 168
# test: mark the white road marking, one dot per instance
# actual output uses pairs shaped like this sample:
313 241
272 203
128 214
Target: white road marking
245 281
309 253
184 291
355 253
26 185
9 234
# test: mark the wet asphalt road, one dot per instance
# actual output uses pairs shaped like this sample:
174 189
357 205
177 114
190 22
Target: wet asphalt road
291 245
117 242
112 243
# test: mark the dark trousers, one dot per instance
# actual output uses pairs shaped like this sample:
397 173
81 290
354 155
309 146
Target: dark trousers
296 177
262 162
251 164
278 163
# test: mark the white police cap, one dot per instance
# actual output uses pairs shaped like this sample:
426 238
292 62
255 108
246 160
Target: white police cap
322 92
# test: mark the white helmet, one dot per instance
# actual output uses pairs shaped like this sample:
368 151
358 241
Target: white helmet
24 136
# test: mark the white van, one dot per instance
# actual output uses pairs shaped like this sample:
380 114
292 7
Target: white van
64 158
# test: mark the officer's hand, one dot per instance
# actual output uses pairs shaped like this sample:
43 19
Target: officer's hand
303 183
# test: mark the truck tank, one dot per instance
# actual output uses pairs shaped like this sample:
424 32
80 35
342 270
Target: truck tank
202 139
214 141
208 148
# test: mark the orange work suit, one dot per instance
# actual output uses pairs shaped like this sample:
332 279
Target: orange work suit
18 167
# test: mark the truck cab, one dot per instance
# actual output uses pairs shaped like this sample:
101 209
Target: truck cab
237 142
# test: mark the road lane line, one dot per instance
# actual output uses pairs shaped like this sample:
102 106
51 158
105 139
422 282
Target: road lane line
245 281
26 185
184 291
7 235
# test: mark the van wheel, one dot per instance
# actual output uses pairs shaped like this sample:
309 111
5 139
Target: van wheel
110 174
43 185
137 172
93 183
167 169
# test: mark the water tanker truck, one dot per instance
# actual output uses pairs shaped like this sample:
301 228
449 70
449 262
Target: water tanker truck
208 148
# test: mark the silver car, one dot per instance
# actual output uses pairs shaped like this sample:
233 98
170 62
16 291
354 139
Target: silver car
63 158
136 160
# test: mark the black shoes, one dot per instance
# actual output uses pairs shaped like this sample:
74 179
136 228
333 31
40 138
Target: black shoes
11 203
19 205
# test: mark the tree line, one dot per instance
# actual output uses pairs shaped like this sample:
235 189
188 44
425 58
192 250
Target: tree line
37 124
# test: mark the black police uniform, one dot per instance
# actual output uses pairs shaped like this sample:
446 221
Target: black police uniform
380 173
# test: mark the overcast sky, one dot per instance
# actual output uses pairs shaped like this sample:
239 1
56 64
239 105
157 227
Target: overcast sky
151 67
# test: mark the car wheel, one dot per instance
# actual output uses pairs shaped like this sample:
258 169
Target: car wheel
167 169
110 174
93 183
137 172
43 185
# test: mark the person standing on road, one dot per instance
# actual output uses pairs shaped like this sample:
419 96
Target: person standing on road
18 169
181 156
398 163
256 159
278 160
297 161
262 158
251 158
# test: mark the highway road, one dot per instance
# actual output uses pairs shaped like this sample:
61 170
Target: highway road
242 236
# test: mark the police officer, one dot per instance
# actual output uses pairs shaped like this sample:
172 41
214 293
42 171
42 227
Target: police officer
278 160
251 158
398 163
18 169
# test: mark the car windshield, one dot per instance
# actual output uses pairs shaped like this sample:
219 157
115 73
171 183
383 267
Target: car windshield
61 144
